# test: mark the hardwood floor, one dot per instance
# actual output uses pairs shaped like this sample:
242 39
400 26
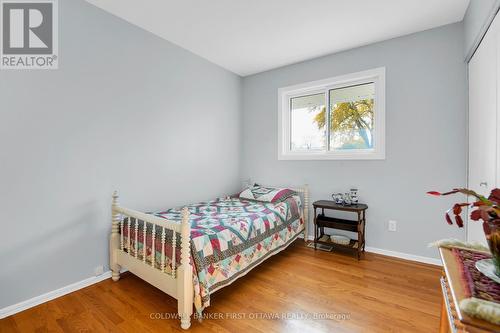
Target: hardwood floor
378 294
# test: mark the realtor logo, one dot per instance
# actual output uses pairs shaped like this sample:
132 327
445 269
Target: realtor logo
29 35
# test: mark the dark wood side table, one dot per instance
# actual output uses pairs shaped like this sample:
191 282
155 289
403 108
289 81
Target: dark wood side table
321 221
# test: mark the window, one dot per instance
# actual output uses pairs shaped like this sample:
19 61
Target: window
337 118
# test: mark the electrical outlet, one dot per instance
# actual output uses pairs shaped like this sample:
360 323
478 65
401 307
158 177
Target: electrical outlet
99 270
392 226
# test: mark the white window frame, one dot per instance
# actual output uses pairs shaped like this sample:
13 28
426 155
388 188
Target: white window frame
285 94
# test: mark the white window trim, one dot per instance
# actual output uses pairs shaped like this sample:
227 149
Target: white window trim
376 75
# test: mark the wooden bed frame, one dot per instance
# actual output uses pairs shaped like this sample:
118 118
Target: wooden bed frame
177 283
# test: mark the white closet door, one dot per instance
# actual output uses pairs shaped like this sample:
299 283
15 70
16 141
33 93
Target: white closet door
483 105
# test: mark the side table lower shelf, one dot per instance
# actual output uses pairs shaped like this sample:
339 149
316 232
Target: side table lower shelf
352 246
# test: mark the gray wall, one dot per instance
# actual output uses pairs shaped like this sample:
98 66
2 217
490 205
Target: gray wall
127 111
425 141
476 20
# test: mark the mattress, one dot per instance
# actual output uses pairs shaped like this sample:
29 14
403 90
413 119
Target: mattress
229 237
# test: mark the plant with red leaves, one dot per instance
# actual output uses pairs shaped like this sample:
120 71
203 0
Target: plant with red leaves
486 209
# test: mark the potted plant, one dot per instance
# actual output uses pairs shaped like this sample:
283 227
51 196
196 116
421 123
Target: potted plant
485 209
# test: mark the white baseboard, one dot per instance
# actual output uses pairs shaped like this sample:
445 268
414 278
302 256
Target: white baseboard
400 255
24 305
406 256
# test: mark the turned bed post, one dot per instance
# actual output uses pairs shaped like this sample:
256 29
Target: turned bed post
185 274
306 212
114 239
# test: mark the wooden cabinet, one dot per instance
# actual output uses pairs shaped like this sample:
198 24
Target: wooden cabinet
452 318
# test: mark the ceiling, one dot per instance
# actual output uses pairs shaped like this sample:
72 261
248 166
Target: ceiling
251 36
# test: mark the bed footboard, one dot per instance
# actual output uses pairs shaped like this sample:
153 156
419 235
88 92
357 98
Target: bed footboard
177 281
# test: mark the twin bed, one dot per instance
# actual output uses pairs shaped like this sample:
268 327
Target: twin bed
190 253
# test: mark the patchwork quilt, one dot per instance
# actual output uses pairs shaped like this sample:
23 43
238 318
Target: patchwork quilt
229 237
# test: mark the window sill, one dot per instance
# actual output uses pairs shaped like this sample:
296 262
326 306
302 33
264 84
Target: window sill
328 156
